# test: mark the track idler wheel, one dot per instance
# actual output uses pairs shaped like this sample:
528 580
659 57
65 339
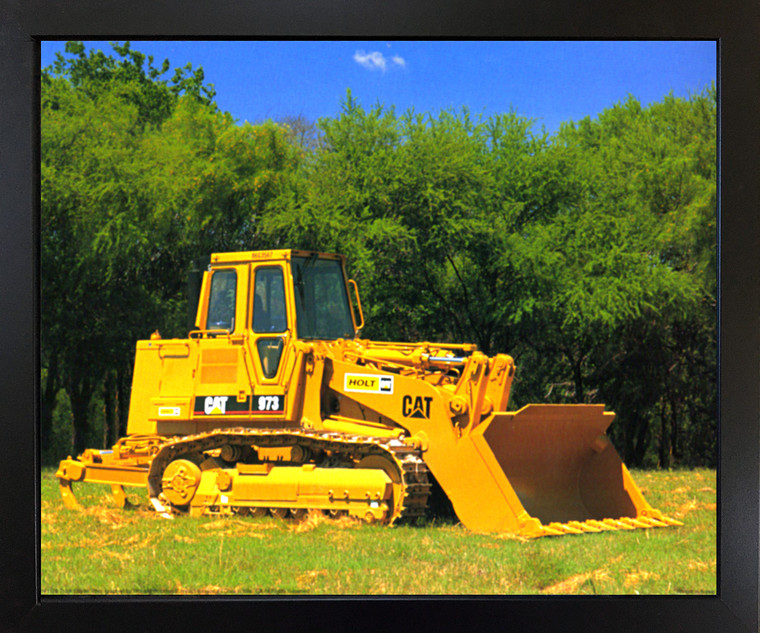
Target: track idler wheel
387 465
180 481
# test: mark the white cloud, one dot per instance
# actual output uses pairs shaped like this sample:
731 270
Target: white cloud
375 60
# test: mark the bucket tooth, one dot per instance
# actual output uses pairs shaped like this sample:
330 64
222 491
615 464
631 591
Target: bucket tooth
600 525
605 525
584 525
635 523
618 524
571 527
565 528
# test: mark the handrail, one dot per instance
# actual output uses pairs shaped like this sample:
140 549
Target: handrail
205 333
359 304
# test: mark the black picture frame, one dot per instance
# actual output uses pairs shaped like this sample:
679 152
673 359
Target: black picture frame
732 23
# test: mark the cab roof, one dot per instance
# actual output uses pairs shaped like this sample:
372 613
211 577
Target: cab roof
242 257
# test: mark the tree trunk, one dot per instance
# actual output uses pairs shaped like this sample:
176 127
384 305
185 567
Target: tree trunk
47 405
664 461
80 395
109 417
578 380
576 362
642 433
675 450
123 378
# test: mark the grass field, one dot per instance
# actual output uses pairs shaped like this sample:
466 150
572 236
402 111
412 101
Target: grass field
105 550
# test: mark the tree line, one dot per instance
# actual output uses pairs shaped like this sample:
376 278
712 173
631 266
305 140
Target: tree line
588 255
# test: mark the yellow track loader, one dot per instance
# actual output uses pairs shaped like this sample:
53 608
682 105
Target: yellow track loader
273 404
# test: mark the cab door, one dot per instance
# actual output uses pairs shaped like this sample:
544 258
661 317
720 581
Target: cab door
269 338
222 380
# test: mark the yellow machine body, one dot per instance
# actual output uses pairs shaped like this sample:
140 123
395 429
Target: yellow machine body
274 404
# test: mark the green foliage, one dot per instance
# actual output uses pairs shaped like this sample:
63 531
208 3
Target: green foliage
94 73
140 177
414 201
645 318
590 256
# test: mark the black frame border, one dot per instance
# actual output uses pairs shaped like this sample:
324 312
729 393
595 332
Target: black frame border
732 23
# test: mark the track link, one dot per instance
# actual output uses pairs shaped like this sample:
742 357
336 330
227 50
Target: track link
345 449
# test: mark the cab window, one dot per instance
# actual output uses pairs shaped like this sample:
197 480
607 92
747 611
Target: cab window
269 313
269 317
322 309
221 303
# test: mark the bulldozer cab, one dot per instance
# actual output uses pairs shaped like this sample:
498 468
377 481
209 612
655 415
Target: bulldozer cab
274 297
234 366
305 294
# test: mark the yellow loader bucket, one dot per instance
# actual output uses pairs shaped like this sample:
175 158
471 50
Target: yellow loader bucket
545 470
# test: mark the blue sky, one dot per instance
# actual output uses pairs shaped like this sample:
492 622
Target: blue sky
550 82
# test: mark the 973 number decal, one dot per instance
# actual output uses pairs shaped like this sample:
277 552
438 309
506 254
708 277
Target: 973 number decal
269 403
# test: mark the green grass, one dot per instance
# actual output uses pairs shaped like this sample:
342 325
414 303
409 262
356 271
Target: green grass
105 550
